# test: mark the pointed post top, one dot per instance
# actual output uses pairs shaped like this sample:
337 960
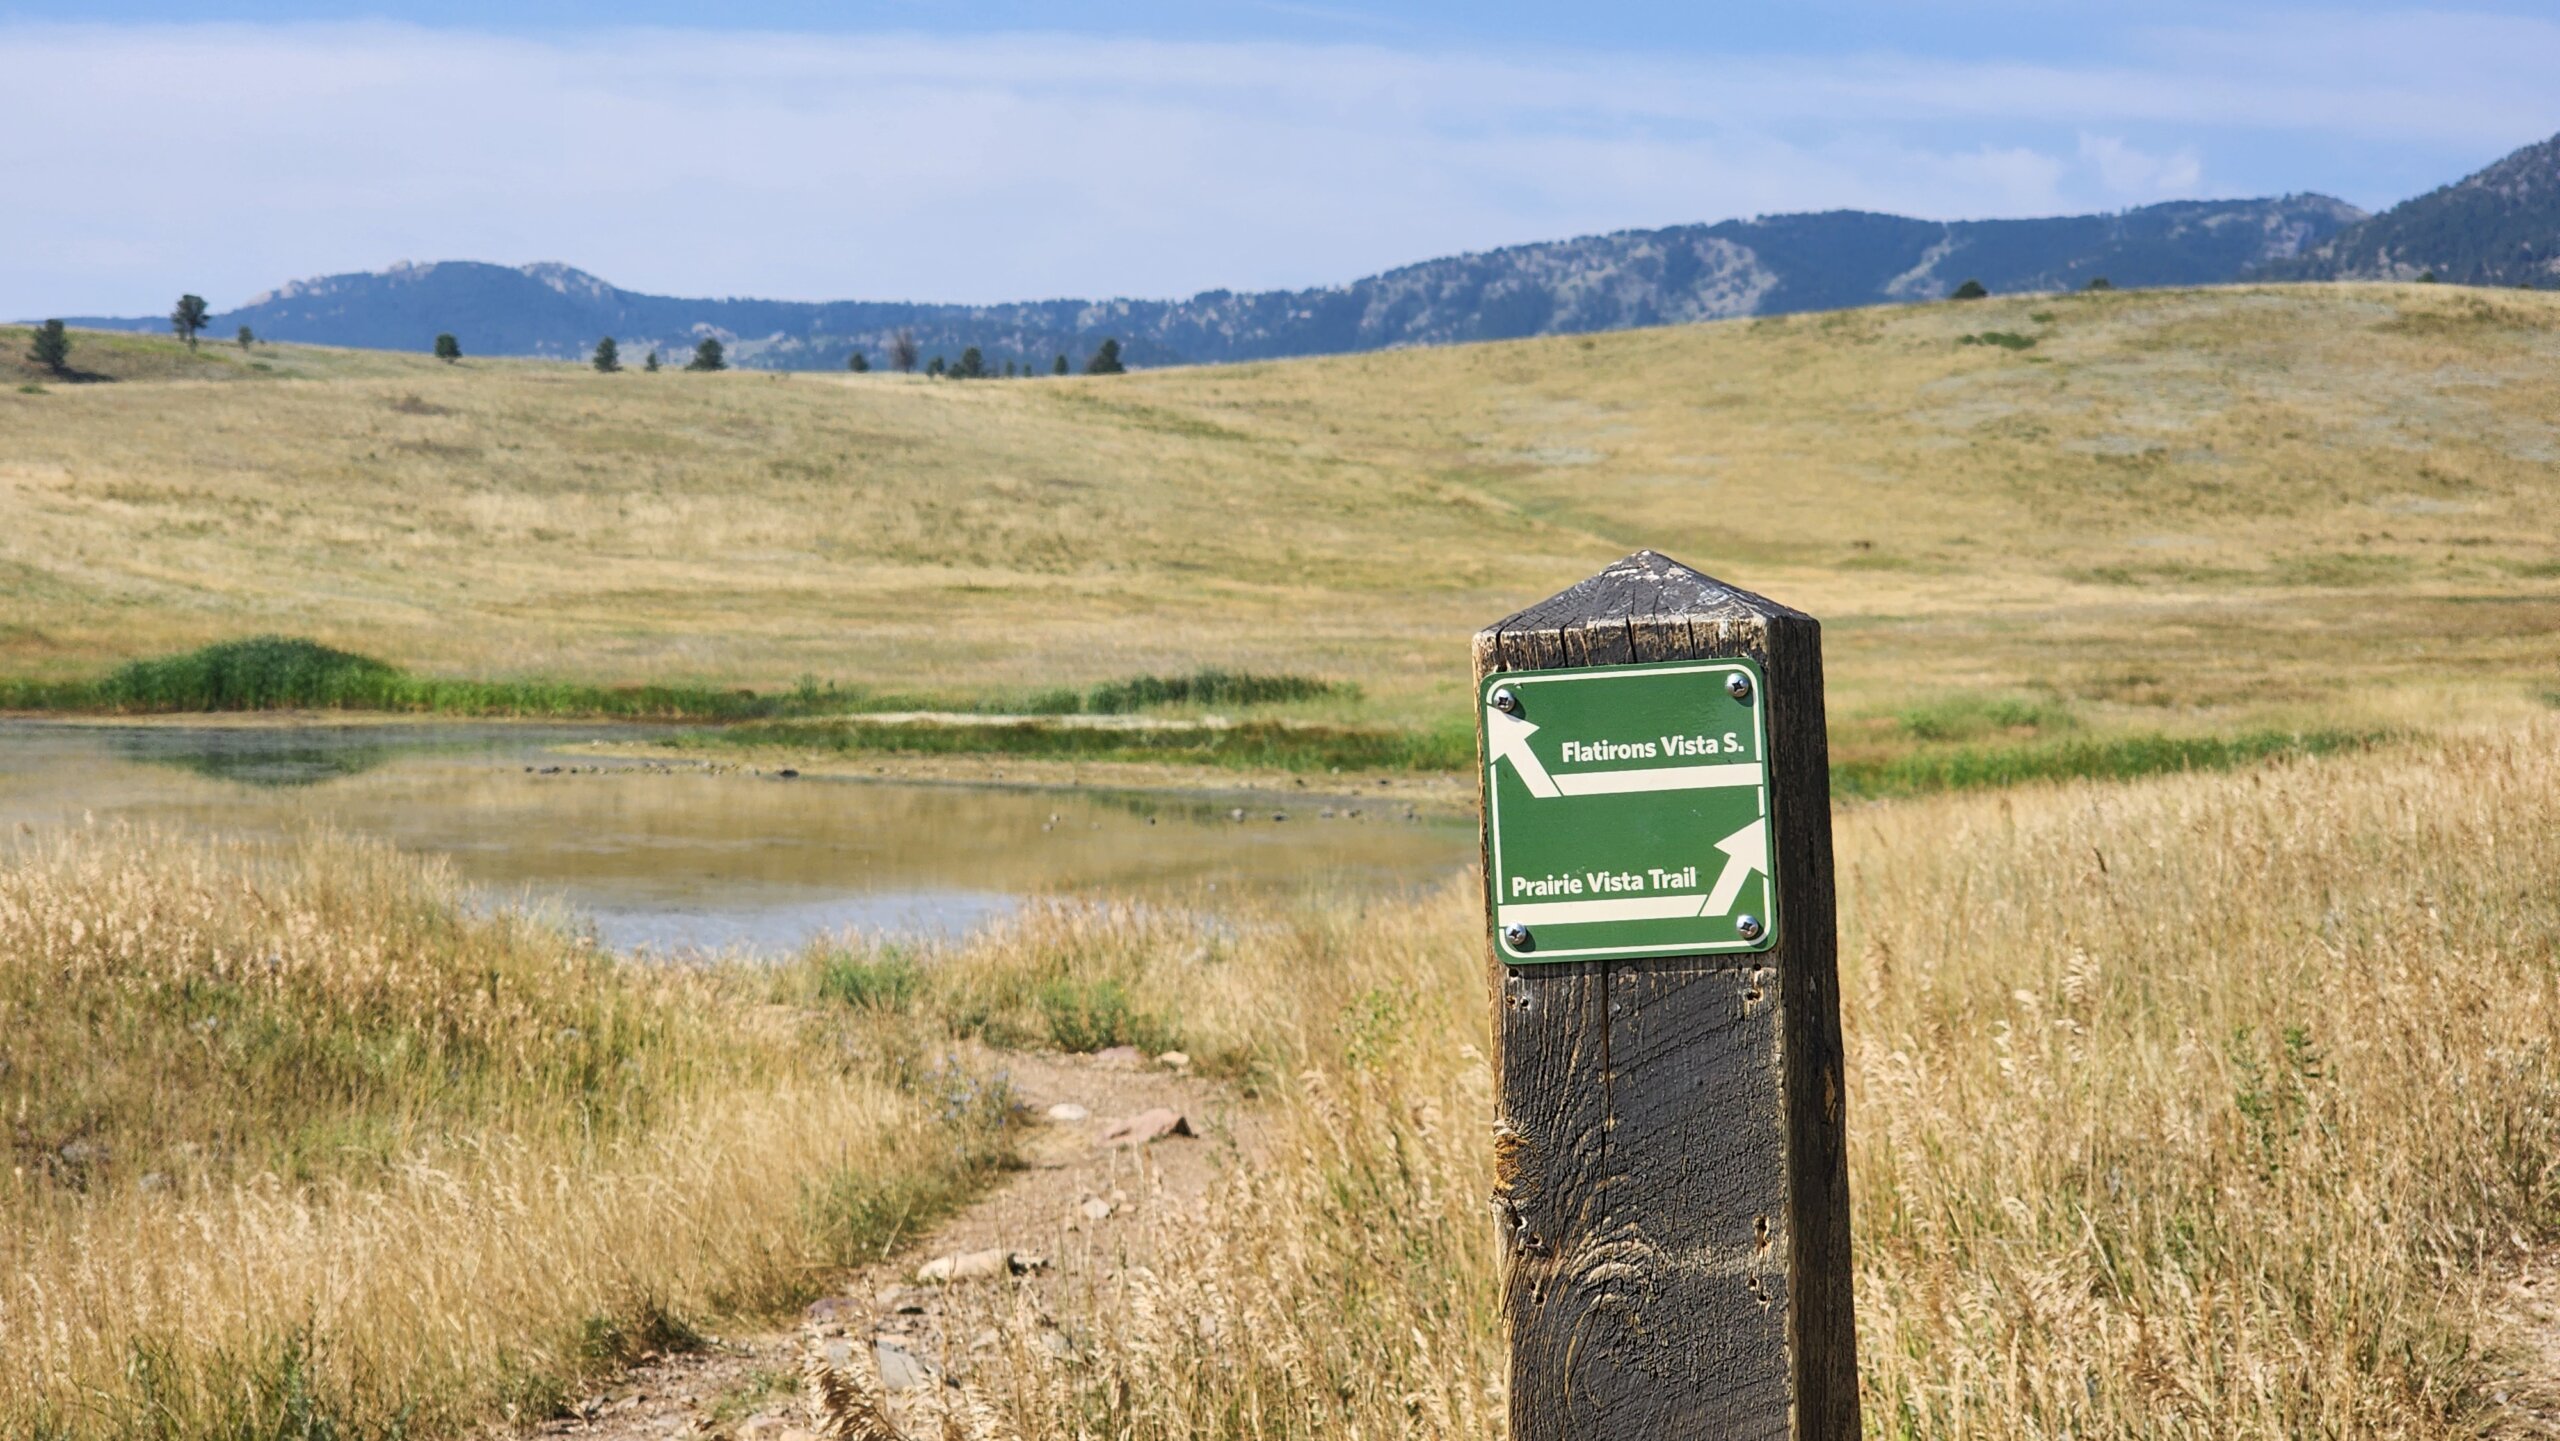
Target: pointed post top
1647 606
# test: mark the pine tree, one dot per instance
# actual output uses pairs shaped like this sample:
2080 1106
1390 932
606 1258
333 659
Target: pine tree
903 352
935 368
2099 282
860 364
448 349
709 354
1970 290
608 356
651 364
52 347
189 317
1008 370
1060 368
245 338
1106 360
972 366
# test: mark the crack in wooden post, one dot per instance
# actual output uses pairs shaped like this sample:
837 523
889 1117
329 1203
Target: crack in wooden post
1670 1169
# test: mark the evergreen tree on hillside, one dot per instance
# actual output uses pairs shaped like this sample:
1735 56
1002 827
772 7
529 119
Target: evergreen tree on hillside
972 366
903 352
1970 290
1061 367
245 338
1106 360
189 317
651 364
1008 370
2099 282
709 354
448 349
935 368
608 356
52 347
860 364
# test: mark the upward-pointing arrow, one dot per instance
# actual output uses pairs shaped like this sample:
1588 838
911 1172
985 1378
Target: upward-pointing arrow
1508 737
1746 850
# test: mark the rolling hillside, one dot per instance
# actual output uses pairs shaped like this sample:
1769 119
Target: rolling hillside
2169 507
1772 265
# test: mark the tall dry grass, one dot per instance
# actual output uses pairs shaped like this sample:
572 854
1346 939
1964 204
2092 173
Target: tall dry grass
302 1146
2200 1107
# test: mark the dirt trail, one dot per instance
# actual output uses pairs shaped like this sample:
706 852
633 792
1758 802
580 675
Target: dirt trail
1076 1207
2524 1393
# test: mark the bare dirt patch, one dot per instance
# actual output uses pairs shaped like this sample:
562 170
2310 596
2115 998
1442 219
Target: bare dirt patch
1071 1216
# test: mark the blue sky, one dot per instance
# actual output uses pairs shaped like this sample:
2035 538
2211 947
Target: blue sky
1001 149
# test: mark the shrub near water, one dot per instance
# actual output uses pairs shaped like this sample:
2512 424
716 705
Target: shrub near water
264 673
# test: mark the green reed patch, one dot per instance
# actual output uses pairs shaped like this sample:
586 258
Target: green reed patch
1982 767
1975 717
1201 687
290 673
1253 745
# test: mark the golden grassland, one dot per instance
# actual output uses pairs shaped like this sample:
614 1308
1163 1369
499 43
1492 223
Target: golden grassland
2194 1107
2197 1106
2174 510
300 1147
2201 1105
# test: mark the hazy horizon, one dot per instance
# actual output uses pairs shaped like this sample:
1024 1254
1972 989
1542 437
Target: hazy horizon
909 155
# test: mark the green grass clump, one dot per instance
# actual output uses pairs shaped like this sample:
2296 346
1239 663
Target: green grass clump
1202 687
2005 339
1973 717
887 981
1983 767
1092 1015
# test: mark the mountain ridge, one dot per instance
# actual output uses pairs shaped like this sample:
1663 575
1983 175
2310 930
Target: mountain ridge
2499 225
1674 274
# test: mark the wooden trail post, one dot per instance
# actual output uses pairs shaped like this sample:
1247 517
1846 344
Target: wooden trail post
1671 1176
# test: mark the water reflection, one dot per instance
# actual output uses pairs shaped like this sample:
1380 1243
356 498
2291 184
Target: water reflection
255 757
675 858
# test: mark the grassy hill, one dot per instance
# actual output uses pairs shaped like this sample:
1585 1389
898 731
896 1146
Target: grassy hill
2156 510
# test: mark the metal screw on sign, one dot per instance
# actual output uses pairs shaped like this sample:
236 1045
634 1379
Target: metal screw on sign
1505 702
1517 937
1738 686
1747 927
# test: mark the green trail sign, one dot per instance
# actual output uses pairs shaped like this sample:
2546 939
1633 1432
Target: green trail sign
1627 810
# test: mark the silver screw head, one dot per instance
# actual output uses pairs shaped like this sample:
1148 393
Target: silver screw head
1505 702
1738 686
1748 926
1516 937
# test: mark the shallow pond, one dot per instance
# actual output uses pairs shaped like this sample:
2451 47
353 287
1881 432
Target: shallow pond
677 857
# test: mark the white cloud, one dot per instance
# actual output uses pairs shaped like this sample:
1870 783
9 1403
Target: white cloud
2137 175
226 158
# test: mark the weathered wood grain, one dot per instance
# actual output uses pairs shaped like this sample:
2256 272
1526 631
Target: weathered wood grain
1670 1170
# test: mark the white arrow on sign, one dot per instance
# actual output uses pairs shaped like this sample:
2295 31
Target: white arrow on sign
1746 851
1507 736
